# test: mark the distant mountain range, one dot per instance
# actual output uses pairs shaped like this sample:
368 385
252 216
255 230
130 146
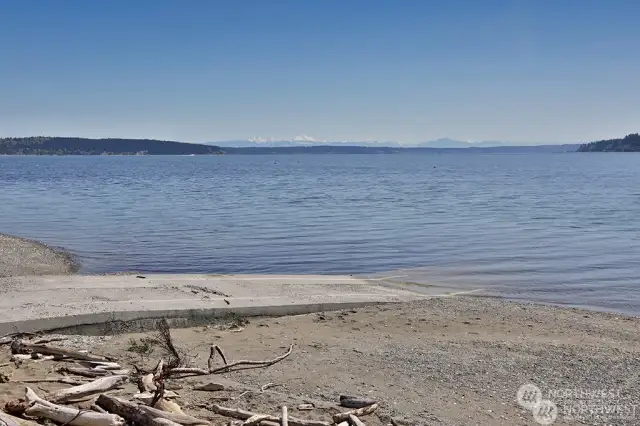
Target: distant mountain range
274 143
359 149
300 141
452 143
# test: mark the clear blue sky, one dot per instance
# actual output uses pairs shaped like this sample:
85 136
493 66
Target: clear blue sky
408 71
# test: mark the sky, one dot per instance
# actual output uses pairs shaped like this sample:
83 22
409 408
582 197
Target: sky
528 71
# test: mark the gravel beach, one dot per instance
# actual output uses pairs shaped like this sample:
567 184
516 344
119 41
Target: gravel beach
22 257
444 361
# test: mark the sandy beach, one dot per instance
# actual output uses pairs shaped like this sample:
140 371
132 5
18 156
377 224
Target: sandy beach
444 361
452 360
21 256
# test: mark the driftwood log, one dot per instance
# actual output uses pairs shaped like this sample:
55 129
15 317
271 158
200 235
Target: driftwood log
84 372
101 365
92 372
128 410
101 385
183 419
94 407
164 422
256 420
341 417
146 383
31 357
64 380
10 420
19 347
237 413
49 340
355 401
142 414
147 397
210 387
168 406
305 407
70 416
234 366
355 421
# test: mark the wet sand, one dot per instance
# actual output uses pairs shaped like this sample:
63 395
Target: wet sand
24 257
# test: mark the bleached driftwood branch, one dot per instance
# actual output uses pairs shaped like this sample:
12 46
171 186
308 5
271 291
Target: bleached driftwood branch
92 372
146 397
19 346
70 416
101 385
10 420
101 365
126 409
355 421
161 403
142 414
340 417
49 340
36 357
146 383
257 419
212 354
65 380
243 364
237 413
164 422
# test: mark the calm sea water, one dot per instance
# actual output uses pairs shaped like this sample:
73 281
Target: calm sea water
560 228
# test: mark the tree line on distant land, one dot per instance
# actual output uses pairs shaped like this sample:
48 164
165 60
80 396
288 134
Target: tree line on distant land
43 145
630 143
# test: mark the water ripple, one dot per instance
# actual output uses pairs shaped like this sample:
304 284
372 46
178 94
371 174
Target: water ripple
555 228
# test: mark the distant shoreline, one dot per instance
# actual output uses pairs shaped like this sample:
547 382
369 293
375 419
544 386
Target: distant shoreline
47 145
25 257
44 145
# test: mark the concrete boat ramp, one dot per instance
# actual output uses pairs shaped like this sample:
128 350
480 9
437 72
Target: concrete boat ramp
43 303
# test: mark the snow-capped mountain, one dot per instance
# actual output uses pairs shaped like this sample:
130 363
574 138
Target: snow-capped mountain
305 140
301 140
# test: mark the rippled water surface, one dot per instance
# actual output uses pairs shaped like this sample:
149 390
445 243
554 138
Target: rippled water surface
559 228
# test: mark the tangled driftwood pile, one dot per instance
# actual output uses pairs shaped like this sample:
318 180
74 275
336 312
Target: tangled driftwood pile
93 377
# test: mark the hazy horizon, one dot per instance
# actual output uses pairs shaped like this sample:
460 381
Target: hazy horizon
523 71
297 141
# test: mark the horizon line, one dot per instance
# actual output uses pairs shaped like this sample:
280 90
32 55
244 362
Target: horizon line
309 143
266 143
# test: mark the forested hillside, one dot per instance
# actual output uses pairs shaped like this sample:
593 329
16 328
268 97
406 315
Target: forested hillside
43 145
